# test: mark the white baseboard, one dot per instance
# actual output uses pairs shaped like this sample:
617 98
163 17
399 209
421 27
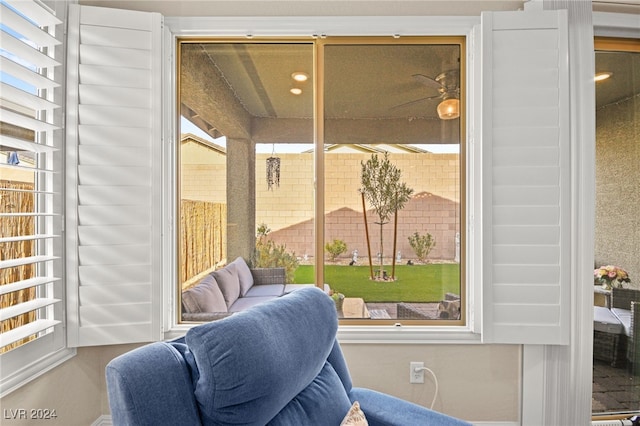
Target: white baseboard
103 420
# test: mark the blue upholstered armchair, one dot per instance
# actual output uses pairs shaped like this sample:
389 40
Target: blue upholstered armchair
278 364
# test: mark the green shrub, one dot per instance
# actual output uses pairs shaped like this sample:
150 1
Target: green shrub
271 255
335 249
422 245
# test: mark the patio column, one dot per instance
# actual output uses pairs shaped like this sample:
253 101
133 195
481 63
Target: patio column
241 198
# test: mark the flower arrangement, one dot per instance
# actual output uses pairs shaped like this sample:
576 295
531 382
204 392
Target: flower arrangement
610 276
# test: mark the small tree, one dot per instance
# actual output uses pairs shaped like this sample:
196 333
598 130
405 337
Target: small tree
383 190
335 249
271 255
422 245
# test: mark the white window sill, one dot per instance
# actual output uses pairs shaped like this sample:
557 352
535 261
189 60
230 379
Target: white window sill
387 334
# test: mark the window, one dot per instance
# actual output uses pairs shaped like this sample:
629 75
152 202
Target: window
31 194
382 140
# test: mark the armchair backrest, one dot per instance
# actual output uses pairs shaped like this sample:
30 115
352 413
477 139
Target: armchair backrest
622 297
254 363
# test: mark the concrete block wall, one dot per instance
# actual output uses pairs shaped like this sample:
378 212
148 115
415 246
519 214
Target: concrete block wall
288 209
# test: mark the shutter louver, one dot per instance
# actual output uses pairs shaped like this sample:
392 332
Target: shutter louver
526 178
30 216
113 258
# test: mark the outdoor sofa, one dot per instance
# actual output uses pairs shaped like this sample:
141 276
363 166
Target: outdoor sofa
234 288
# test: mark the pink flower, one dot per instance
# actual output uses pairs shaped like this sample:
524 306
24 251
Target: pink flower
610 276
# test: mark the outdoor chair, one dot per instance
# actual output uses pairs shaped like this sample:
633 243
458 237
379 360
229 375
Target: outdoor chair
407 311
625 305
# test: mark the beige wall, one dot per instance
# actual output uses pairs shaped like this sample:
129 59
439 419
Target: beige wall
617 233
477 382
76 390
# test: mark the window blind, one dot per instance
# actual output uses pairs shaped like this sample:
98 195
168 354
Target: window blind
30 182
113 208
526 199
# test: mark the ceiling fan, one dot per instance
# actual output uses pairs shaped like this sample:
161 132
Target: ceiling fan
448 86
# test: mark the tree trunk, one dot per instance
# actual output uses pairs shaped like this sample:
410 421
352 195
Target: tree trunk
381 252
366 230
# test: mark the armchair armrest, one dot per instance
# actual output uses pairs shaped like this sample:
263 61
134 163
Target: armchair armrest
268 276
204 316
386 410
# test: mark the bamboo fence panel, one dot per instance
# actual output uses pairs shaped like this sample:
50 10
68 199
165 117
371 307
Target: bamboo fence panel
203 237
16 202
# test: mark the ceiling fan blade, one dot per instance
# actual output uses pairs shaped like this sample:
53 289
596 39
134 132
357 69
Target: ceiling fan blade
416 101
428 81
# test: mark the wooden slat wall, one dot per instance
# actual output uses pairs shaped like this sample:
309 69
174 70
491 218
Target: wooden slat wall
202 238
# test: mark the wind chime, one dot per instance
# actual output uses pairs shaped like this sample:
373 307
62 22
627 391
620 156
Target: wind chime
273 170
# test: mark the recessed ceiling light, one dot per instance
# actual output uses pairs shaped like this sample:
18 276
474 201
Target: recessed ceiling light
300 76
295 90
603 76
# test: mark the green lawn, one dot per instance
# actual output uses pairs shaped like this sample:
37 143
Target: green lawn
415 283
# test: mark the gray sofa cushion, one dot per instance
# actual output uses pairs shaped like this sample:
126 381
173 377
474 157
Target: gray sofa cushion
244 303
273 290
244 275
204 297
228 282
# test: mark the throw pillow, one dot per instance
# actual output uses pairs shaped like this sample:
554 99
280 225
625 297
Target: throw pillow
227 279
244 275
204 297
355 417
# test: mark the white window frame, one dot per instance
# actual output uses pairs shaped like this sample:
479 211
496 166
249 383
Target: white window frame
32 359
320 27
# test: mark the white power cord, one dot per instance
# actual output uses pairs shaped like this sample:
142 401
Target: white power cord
435 380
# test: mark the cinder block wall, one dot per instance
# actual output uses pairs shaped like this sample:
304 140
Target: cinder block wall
288 208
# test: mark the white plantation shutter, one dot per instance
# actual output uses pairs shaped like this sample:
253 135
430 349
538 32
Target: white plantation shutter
526 210
31 191
113 172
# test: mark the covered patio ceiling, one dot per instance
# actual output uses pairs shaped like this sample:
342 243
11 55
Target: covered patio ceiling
242 91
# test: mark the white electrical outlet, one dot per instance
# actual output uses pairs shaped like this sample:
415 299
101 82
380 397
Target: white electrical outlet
416 372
